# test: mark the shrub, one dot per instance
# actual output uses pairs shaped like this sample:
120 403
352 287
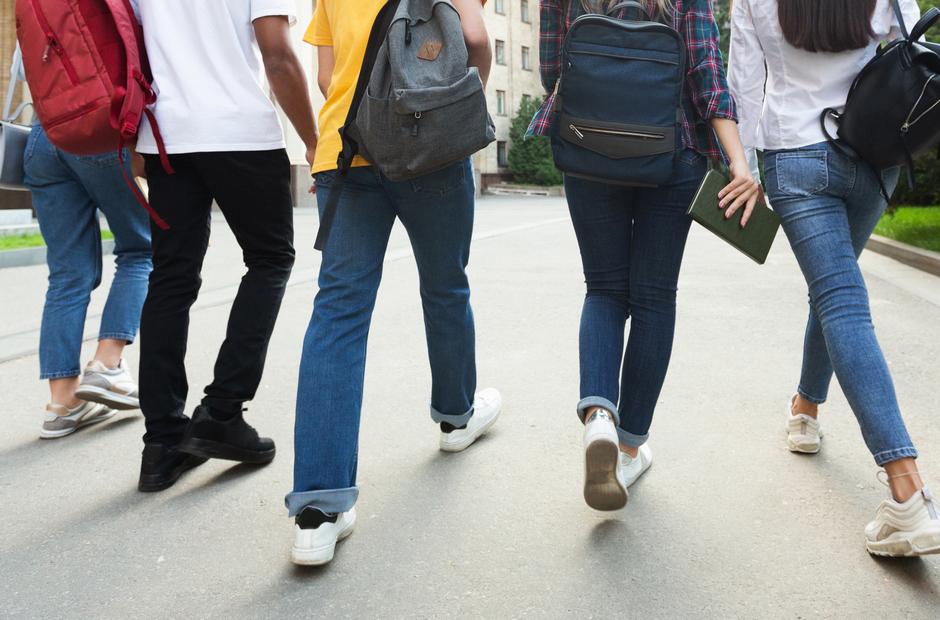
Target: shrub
530 161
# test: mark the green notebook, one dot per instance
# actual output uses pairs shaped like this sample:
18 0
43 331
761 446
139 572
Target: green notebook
754 240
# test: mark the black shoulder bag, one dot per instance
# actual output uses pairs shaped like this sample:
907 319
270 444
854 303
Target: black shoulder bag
893 109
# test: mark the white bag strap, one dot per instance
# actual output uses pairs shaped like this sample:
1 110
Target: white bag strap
16 70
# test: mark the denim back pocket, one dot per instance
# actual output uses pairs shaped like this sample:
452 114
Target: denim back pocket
442 182
799 173
104 160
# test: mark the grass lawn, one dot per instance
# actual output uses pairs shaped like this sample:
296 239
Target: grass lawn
18 242
918 226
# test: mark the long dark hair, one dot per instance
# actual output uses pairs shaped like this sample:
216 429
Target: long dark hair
827 25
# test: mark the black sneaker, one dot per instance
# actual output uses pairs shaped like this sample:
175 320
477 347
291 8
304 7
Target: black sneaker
233 440
161 466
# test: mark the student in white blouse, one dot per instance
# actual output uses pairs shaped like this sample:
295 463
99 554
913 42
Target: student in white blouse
790 60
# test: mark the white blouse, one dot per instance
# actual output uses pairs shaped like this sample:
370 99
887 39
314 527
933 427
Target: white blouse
780 90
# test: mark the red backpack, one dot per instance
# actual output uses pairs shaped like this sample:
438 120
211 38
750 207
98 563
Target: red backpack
88 75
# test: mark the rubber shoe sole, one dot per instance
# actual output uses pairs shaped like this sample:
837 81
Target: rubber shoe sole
318 556
151 484
906 545
602 490
802 448
114 400
44 434
208 449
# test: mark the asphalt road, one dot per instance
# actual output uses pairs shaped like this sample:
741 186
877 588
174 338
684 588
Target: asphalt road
727 523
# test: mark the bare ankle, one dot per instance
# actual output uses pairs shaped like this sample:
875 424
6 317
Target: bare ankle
630 451
802 406
903 479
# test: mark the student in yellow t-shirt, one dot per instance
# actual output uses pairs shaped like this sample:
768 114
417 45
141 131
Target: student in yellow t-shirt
437 211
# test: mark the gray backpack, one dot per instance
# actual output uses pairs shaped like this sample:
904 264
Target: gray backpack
417 108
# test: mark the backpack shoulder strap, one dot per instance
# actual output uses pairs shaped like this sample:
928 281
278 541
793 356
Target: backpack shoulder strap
896 5
350 148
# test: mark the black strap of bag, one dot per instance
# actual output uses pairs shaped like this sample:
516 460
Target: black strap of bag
630 4
350 149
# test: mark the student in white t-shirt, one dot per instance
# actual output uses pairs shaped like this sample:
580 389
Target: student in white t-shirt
225 145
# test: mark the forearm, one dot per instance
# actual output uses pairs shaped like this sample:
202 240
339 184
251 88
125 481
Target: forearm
730 139
482 59
289 84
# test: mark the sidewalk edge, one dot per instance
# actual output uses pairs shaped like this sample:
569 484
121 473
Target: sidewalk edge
925 260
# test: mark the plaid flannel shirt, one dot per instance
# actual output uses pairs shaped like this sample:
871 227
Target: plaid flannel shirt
707 95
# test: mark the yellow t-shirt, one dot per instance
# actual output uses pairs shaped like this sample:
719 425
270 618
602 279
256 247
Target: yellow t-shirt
345 26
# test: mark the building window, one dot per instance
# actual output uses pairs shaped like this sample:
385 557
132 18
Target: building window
502 155
501 102
501 7
500 52
526 63
526 99
524 9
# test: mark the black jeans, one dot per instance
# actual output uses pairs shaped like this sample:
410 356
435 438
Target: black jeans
252 189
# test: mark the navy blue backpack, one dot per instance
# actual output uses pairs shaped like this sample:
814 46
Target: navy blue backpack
618 105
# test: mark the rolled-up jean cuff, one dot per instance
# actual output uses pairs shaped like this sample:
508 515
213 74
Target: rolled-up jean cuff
629 439
816 400
128 338
887 456
598 401
330 501
62 374
454 420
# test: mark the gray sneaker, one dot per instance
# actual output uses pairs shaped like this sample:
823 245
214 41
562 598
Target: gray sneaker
61 421
112 387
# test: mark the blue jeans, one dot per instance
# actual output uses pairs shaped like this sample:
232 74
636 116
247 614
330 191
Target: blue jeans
437 212
829 204
68 191
632 241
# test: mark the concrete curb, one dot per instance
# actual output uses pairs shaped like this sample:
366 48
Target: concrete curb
28 257
925 260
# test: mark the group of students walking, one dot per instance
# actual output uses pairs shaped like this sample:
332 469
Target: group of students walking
790 59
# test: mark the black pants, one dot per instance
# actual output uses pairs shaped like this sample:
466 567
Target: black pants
252 189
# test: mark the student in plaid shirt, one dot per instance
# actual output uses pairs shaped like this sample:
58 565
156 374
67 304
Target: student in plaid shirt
632 240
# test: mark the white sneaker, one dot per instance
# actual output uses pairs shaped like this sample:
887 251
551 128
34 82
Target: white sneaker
316 546
604 487
486 408
632 468
61 421
905 530
803 434
113 387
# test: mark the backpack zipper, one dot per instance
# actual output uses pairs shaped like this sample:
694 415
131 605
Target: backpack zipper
908 123
52 44
621 57
414 128
60 120
640 135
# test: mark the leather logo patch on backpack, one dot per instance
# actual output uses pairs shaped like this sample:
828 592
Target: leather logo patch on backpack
430 50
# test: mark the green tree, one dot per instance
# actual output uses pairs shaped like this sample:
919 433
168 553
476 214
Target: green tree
530 160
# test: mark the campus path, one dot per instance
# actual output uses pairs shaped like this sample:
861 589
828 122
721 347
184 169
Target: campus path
726 524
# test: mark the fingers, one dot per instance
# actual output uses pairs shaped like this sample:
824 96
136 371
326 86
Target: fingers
747 198
748 210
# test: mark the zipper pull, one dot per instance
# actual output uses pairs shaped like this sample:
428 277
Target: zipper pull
407 33
905 127
576 131
414 128
45 53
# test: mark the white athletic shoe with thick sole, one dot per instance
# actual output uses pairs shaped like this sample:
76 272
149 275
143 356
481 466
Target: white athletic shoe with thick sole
315 547
632 468
803 433
487 405
905 530
112 387
604 487
61 421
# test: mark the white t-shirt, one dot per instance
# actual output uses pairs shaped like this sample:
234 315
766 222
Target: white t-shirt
780 90
207 74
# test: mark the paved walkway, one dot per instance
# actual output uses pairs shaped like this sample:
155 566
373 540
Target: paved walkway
726 524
